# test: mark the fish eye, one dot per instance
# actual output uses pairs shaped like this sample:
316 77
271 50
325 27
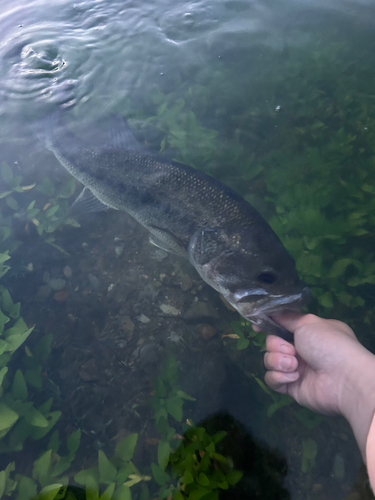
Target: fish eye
267 277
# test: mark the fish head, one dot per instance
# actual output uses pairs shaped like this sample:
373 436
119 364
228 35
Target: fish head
252 270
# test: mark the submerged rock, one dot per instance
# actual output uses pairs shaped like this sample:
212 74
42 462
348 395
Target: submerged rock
57 284
169 310
61 296
207 332
199 310
143 318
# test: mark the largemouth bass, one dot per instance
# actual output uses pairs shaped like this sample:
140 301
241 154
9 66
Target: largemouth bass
188 213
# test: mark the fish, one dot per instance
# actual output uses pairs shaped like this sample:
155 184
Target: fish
188 213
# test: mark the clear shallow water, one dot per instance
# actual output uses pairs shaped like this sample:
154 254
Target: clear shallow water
276 100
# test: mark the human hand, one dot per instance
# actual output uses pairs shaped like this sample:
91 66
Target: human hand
327 370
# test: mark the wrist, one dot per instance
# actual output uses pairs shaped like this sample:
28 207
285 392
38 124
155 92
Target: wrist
357 402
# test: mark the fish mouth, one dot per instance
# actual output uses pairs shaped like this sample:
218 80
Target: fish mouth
276 305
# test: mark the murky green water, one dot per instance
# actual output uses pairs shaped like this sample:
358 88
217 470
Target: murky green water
275 99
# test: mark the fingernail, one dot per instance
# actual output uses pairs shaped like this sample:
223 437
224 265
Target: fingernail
286 363
284 348
292 377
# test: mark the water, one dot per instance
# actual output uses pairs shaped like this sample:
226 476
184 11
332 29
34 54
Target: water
273 98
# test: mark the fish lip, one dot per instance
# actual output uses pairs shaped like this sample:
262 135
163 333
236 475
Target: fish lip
277 304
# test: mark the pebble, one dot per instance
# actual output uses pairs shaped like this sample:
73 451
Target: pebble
169 310
68 271
61 296
143 318
119 248
57 284
207 332
185 282
128 326
199 310
338 471
94 281
111 287
89 371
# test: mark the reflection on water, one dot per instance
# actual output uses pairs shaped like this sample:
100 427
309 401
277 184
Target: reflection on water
115 344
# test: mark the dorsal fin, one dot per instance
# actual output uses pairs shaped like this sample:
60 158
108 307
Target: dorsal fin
120 135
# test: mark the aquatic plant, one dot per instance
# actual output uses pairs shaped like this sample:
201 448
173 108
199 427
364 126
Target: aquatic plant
46 216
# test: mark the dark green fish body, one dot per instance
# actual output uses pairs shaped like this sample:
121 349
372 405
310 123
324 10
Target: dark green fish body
190 213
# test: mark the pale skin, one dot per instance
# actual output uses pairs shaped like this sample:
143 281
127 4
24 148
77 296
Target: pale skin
327 370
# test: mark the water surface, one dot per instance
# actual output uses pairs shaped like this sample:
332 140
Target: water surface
275 99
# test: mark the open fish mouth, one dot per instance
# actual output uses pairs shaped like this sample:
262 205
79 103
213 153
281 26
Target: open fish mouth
277 305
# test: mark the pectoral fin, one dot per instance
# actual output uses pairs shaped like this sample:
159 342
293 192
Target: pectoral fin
167 241
86 203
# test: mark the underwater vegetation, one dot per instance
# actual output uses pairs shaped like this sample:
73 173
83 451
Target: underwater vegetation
311 174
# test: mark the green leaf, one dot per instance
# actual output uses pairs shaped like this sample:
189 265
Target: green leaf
47 187
309 452
34 376
42 467
6 300
183 395
4 257
170 371
46 406
3 320
51 211
92 489
54 442
107 471
68 188
203 480
265 388
19 387
12 203
174 407
27 489
43 348
198 494
164 451
8 417
187 478
14 313
35 418
3 372
3 481
73 441
82 475
123 493
326 300
61 466
160 476
339 267
52 418
233 477
5 194
125 449
108 493
242 343
50 492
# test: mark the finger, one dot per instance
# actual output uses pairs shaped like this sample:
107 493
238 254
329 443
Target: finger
293 321
279 381
280 362
256 328
277 344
